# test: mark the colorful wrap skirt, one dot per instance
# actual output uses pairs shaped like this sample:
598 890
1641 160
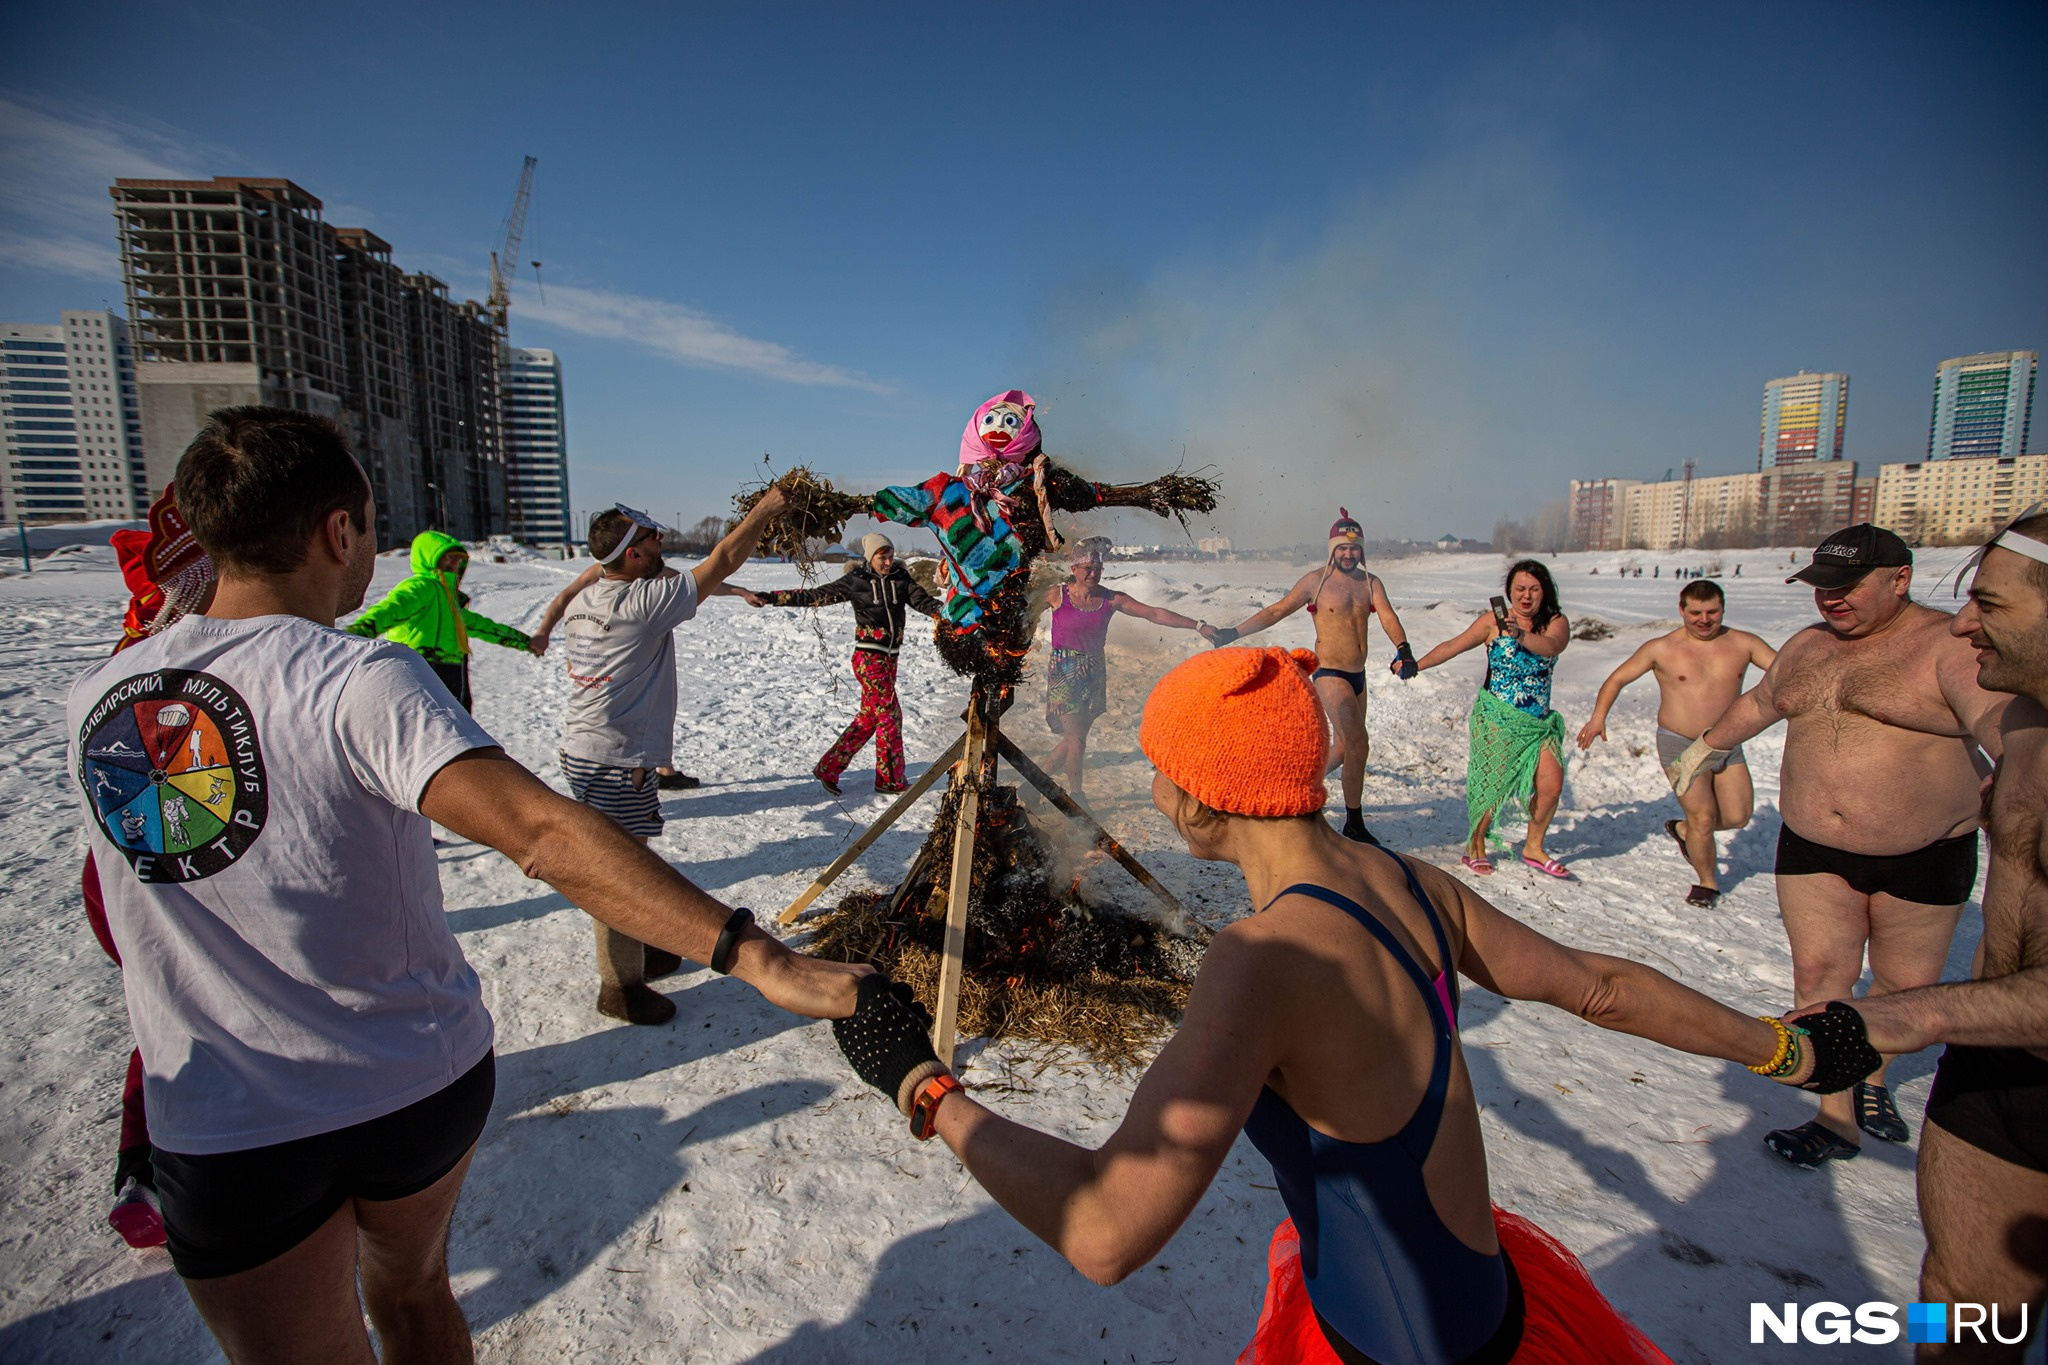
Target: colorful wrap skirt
1076 684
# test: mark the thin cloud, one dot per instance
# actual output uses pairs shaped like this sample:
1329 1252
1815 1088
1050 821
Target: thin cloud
55 166
60 255
683 335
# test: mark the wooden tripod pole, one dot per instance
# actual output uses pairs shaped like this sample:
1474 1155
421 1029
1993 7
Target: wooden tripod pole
1074 811
960 889
941 764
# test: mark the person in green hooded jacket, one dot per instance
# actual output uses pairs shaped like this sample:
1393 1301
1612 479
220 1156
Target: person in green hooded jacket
429 612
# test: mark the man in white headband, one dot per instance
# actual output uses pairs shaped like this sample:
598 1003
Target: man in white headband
1878 791
621 614
1984 1148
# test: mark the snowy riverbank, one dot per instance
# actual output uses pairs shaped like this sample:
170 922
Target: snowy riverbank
722 1189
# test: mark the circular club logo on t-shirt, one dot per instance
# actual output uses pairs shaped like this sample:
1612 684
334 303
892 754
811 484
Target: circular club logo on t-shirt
171 763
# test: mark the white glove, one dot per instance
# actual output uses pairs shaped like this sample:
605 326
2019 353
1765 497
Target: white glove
1683 769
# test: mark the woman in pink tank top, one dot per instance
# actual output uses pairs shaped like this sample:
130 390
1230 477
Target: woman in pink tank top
1077 679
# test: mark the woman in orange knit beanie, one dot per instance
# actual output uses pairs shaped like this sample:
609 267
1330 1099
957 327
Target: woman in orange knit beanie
1324 1026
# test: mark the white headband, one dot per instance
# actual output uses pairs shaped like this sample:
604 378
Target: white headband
2022 545
639 519
2005 539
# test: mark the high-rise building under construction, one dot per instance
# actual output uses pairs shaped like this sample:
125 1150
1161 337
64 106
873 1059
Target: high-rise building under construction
1982 405
240 292
1805 418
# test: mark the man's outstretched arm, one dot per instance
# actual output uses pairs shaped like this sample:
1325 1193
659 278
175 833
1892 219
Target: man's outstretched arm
1272 615
1633 667
738 546
1748 716
2005 1011
486 797
552 617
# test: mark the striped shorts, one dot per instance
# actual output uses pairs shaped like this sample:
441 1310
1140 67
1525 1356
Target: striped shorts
611 790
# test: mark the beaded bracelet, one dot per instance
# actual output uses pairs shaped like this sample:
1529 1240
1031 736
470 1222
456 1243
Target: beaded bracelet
1785 1060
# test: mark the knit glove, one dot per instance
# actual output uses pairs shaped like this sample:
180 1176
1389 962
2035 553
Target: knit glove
1224 635
1842 1054
887 1039
1403 664
1687 765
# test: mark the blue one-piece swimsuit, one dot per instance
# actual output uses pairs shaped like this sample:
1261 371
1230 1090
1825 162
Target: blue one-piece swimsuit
1390 1283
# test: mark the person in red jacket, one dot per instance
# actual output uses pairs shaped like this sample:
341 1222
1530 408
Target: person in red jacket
880 589
168 576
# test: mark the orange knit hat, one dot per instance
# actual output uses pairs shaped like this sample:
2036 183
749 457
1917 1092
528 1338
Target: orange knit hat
1241 730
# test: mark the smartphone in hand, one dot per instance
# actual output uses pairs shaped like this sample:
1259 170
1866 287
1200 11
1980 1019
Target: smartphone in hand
1500 613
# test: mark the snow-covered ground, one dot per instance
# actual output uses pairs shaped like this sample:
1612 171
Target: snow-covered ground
722 1189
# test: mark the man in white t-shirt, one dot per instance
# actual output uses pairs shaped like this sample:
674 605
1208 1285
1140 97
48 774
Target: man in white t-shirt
619 618
316 1052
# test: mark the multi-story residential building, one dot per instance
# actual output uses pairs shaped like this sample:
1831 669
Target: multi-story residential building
240 292
536 448
1795 505
1598 507
73 449
1960 499
1983 405
1805 418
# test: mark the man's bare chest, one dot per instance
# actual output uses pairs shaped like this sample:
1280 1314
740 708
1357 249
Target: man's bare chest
1702 665
1839 684
1342 599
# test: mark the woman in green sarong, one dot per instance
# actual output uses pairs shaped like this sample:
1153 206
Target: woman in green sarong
1517 753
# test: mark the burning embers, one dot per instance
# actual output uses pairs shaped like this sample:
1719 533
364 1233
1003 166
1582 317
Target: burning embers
1041 962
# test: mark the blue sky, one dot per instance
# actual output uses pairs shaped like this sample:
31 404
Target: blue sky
1429 265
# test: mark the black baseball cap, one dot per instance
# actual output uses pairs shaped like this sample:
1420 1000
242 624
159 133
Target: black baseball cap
1847 555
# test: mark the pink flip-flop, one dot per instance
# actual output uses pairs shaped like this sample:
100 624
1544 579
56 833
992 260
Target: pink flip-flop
1481 865
1549 867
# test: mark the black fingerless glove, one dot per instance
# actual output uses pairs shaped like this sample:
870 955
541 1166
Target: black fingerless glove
1224 635
887 1039
1404 662
1842 1054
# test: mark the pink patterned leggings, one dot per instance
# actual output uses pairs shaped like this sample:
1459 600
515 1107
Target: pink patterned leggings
880 716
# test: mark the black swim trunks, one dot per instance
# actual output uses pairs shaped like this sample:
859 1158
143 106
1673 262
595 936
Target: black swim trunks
1943 873
1995 1099
233 1211
1355 681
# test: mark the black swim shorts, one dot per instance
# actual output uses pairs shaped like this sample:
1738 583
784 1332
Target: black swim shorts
1943 873
1354 681
1995 1099
233 1211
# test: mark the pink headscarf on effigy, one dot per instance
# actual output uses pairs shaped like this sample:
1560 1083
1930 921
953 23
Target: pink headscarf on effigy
1010 444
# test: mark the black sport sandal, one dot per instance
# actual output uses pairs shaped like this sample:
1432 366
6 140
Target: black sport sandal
1877 1115
1810 1146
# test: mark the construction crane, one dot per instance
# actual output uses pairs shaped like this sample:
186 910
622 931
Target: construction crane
505 260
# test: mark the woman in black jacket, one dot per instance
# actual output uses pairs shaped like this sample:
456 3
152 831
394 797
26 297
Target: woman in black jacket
879 590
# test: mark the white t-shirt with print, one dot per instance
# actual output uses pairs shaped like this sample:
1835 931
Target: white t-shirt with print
251 790
622 669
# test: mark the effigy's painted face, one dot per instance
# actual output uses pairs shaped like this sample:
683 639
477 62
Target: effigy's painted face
1001 425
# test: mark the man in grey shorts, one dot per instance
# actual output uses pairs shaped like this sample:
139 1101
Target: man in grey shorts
621 723
1700 668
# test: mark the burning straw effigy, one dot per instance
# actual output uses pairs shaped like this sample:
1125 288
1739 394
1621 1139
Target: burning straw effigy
991 927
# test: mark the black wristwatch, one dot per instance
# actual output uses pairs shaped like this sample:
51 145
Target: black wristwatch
729 940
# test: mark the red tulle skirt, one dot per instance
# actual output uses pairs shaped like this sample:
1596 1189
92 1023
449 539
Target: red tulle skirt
1568 1321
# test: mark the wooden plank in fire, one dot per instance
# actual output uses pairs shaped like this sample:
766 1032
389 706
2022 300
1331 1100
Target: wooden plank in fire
941 764
960 889
1076 812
